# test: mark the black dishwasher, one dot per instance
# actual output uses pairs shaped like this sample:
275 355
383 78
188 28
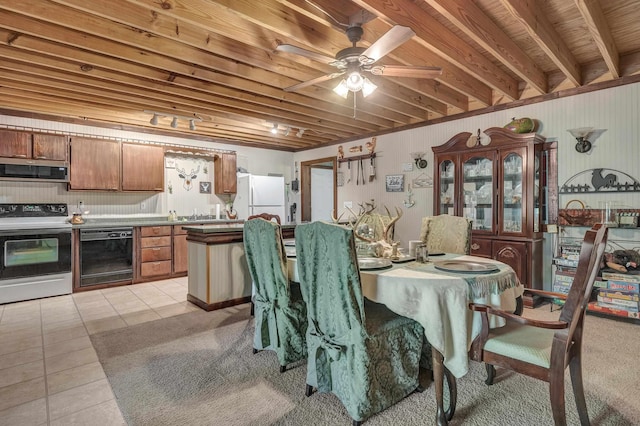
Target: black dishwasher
106 255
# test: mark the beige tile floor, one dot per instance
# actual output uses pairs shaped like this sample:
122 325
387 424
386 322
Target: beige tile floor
49 371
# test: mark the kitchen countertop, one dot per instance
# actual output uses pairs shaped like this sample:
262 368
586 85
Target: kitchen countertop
115 222
212 228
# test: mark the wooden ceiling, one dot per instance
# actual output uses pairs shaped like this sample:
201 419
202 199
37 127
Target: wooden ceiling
107 62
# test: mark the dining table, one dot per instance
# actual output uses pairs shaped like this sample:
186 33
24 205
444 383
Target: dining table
436 294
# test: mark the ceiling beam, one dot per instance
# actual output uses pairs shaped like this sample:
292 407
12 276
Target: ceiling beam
599 29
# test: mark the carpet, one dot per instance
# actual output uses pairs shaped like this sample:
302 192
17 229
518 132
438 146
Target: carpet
198 369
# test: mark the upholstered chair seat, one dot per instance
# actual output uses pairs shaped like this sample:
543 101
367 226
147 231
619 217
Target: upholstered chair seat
446 233
280 311
359 350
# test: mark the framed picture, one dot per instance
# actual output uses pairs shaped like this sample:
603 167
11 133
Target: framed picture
205 187
394 183
169 163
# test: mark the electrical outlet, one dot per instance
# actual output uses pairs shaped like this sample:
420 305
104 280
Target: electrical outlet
143 206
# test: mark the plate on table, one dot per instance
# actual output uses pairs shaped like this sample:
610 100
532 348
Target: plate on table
370 263
290 243
466 266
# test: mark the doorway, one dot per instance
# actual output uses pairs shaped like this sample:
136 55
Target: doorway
318 188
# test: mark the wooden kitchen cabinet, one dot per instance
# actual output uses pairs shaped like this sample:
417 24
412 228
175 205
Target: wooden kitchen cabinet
180 261
225 174
503 187
142 167
155 251
95 164
35 146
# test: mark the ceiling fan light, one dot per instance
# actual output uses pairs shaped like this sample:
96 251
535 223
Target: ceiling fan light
355 81
342 89
300 133
368 87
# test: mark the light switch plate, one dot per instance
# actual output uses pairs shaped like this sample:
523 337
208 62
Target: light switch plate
407 167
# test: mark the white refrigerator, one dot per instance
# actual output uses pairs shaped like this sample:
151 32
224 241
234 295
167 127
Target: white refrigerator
260 194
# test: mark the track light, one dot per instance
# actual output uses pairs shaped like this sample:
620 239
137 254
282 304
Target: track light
174 119
287 131
300 133
274 129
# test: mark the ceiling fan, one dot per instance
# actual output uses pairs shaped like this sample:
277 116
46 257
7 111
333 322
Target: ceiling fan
354 61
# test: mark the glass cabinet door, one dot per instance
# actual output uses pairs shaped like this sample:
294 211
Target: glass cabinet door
447 173
512 195
478 188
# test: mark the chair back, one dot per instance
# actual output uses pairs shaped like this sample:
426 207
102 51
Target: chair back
446 233
266 259
329 278
266 216
593 246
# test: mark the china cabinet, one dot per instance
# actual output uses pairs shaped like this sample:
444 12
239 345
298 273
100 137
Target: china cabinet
506 185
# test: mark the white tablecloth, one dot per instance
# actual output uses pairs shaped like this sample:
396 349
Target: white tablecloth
438 301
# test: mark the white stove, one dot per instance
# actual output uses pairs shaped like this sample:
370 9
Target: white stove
35 248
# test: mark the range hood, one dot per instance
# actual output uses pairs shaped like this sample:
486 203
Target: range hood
19 169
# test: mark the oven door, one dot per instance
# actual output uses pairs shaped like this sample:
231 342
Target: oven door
34 252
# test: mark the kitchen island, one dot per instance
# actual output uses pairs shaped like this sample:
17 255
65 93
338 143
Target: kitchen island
217 266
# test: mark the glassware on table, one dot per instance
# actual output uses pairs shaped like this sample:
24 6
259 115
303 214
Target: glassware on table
422 253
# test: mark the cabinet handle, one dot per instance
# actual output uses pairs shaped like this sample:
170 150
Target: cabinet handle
156 248
20 156
475 246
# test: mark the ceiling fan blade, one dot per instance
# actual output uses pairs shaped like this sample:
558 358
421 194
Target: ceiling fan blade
288 48
385 44
406 71
312 81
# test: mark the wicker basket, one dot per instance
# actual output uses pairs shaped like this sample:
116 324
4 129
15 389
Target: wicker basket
579 217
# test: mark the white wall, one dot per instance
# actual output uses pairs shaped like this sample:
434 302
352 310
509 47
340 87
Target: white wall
614 110
255 160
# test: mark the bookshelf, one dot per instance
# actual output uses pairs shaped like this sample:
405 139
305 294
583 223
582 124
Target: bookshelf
615 294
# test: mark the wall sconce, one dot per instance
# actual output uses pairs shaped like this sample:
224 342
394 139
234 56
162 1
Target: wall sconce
174 119
421 163
581 134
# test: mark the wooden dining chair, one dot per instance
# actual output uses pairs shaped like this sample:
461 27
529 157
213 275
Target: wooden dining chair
446 233
280 311
266 216
543 349
359 350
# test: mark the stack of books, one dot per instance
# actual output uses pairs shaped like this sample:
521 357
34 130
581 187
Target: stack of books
620 297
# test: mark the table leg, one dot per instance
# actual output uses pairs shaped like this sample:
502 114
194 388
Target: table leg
438 378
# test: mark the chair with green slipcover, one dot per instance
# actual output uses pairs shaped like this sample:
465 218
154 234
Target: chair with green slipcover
280 311
446 233
359 350
544 349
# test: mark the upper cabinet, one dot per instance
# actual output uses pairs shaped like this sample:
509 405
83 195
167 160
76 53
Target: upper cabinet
226 181
504 187
34 146
105 165
142 167
95 164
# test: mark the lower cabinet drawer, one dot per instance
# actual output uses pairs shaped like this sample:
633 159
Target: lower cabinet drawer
481 248
156 253
155 241
149 269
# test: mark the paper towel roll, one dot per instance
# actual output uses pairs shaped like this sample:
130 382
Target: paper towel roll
217 211
412 247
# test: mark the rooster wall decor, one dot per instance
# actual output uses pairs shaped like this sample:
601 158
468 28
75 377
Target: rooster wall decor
600 180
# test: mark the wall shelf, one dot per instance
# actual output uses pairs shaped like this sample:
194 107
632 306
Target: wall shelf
357 158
